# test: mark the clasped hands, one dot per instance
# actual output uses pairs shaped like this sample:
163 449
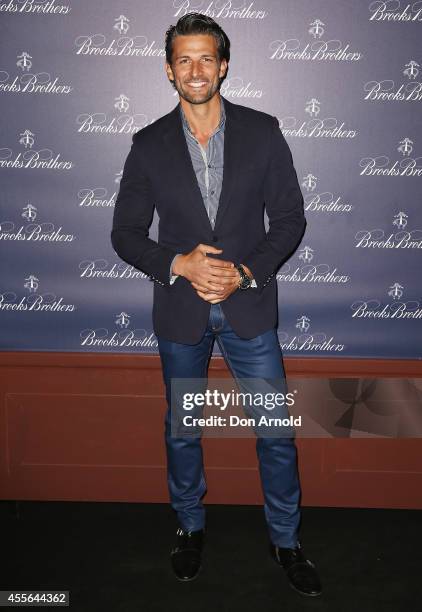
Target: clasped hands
213 279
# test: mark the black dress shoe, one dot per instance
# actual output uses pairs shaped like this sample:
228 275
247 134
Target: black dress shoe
300 572
186 555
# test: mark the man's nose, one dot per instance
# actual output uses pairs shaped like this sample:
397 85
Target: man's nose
196 69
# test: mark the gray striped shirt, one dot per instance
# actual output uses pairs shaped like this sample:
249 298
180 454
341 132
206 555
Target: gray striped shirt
208 163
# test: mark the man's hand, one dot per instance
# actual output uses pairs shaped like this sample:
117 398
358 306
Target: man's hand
214 278
215 298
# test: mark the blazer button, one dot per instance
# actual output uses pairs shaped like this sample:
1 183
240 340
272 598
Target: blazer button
215 238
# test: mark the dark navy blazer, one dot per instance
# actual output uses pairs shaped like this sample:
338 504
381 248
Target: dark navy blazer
258 174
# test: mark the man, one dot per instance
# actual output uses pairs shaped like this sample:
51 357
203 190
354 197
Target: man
210 167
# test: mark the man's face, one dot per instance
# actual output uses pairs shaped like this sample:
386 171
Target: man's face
196 68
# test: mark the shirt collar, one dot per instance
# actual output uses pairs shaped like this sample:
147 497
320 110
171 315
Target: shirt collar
220 126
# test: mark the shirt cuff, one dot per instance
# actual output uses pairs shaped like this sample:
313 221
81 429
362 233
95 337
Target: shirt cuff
173 276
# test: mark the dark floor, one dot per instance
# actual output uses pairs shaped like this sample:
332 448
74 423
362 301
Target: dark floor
115 557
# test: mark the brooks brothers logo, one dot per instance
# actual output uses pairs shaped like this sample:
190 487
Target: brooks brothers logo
34 301
309 272
29 82
31 158
394 10
100 268
409 91
220 9
31 231
322 202
395 308
304 341
35 6
383 166
121 44
123 337
317 49
122 123
401 239
236 87
315 127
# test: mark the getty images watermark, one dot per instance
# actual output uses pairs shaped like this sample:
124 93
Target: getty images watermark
303 408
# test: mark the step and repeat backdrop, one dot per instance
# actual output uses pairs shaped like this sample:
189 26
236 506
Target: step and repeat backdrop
78 78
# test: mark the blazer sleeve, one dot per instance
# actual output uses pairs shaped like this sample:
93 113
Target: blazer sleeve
284 207
132 218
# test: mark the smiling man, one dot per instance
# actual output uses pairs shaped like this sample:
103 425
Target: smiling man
211 168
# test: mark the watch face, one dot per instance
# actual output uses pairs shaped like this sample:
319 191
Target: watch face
245 283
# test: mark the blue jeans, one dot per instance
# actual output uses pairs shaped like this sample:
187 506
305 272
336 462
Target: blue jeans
258 357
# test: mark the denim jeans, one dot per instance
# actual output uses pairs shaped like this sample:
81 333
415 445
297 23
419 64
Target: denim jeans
254 358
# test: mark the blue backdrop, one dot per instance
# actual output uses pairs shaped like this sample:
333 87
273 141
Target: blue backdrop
77 79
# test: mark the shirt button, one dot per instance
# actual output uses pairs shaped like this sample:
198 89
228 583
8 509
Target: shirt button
212 192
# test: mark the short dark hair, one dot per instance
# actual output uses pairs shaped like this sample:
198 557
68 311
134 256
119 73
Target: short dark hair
197 23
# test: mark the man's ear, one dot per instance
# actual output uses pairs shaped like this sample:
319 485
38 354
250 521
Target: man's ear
223 68
169 72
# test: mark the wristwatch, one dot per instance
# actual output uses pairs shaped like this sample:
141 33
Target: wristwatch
244 282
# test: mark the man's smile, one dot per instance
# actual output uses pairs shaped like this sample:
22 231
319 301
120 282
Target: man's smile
197 84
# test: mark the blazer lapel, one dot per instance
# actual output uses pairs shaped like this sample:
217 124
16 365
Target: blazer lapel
182 167
232 146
